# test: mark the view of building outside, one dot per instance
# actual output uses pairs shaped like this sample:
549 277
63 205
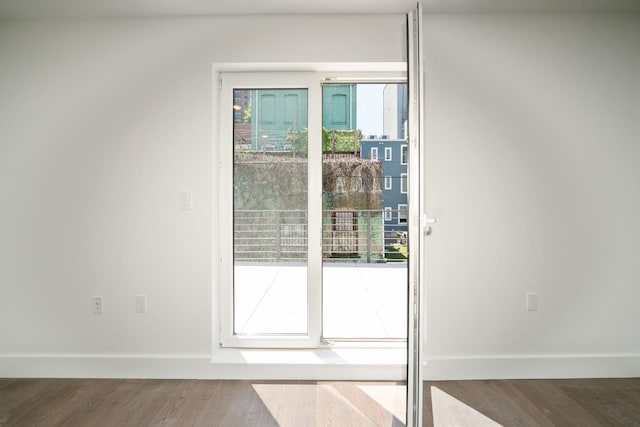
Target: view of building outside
364 231
270 198
364 194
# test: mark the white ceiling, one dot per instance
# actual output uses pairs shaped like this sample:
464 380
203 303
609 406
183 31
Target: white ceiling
115 8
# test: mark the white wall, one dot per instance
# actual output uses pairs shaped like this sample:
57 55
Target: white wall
103 123
531 171
533 157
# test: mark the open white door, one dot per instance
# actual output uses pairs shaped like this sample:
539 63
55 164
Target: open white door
416 206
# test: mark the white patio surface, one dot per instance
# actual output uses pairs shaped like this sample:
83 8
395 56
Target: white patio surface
360 301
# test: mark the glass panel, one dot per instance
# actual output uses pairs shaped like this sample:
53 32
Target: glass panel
402 214
270 211
403 183
364 245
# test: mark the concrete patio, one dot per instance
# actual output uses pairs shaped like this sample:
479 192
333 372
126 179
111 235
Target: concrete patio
360 301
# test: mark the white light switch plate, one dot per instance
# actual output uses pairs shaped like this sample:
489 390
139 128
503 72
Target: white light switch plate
141 303
532 301
186 200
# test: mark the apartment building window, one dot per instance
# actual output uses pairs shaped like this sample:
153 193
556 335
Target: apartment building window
388 213
387 154
403 214
388 182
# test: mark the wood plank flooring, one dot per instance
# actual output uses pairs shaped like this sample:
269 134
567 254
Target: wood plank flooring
576 402
86 402
89 402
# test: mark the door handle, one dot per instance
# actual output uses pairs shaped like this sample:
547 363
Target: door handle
426 224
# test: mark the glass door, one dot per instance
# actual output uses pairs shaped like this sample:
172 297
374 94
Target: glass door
364 222
314 219
271 128
270 196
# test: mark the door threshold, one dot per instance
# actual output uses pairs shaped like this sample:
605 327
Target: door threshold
325 356
345 364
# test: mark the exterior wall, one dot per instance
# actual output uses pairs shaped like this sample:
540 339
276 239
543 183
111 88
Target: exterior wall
395 169
395 112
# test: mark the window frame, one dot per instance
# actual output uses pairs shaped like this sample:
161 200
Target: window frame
371 153
223 224
388 213
404 183
406 217
388 179
295 80
404 154
389 151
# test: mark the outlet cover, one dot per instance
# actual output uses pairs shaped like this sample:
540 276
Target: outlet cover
96 305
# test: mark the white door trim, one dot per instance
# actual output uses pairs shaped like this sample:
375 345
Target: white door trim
416 211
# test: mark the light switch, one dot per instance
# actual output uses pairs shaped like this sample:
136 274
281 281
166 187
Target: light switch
186 200
141 303
532 301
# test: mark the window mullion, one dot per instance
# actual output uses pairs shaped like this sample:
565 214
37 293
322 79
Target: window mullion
314 241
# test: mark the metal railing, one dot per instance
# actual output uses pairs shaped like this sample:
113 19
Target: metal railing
347 236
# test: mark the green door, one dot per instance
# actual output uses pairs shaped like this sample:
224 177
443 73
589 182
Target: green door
274 113
339 105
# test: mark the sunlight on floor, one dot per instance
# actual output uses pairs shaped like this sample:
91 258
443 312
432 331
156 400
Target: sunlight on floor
450 412
339 403
391 397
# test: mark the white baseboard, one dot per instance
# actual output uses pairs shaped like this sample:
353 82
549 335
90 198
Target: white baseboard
221 366
227 365
532 366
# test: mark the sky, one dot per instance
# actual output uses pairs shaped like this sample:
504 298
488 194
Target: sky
369 105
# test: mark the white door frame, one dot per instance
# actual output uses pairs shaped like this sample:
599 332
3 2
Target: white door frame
312 81
416 217
229 82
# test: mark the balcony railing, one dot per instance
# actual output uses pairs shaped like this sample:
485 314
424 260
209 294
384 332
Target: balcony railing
347 235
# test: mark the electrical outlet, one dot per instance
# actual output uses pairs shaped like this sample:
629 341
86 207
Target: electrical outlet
141 303
532 301
96 305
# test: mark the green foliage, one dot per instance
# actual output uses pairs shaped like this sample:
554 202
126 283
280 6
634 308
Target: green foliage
341 141
396 252
247 114
333 141
298 140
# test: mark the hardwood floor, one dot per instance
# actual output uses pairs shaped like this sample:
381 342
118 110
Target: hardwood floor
581 402
70 402
87 402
